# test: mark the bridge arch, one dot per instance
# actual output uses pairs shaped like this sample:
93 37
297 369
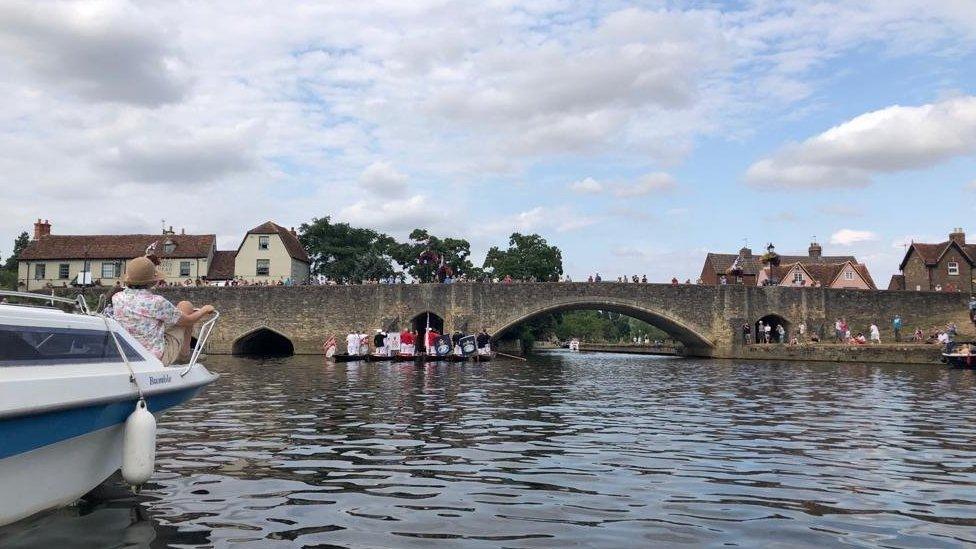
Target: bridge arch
692 338
263 341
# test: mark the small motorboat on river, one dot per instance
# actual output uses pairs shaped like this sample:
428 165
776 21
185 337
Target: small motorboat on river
963 355
75 388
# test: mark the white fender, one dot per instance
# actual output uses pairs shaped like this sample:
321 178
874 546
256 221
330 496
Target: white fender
139 445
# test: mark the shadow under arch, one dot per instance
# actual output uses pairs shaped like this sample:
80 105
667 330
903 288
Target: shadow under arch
694 342
420 322
773 320
263 342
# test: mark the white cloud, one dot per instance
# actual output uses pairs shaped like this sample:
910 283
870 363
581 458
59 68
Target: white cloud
396 216
889 140
846 237
380 178
100 51
647 184
586 186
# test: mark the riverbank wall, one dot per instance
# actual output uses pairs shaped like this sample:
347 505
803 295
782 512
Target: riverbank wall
885 353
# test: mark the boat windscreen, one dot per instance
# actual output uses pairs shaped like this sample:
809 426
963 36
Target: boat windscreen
30 345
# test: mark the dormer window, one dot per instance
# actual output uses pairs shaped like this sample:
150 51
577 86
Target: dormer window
263 242
848 275
169 247
797 277
953 267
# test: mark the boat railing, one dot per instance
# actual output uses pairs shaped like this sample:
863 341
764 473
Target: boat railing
202 337
78 302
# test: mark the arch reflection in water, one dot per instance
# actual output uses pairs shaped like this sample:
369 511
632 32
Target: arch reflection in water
263 342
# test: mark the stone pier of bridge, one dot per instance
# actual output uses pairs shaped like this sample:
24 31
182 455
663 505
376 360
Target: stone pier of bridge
707 320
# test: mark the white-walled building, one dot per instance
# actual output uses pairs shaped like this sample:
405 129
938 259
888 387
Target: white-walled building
269 253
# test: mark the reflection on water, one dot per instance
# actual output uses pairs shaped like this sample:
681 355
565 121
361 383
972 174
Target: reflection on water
567 450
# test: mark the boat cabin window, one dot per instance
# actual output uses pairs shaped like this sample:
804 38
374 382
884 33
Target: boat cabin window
29 345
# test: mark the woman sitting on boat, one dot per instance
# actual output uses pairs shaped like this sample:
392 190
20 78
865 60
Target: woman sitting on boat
162 328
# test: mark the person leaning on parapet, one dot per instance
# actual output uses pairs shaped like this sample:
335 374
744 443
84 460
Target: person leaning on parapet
163 328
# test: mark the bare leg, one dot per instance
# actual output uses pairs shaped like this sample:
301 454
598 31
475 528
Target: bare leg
186 308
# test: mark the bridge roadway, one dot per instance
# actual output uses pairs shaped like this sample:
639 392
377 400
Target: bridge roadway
706 319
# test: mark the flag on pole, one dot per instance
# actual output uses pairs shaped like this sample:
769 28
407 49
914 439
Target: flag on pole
329 347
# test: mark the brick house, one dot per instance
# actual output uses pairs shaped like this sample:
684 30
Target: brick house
943 267
813 269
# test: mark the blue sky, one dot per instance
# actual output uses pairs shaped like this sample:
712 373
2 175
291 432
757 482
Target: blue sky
634 135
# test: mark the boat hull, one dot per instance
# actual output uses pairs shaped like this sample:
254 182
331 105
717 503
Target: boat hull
51 459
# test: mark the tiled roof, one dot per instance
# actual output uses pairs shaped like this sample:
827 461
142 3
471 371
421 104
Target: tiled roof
930 253
116 246
825 273
751 265
222 266
294 247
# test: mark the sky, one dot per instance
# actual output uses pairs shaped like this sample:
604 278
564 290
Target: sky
636 136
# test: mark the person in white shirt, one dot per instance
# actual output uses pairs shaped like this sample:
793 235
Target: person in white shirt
875 334
352 344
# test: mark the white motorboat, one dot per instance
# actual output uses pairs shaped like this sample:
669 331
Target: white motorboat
66 392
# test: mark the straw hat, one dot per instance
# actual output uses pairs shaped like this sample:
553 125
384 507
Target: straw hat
141 271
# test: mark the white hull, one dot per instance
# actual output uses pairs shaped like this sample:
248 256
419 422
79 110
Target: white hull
57 474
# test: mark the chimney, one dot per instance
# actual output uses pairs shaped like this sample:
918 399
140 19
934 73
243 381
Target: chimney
169 231
958 236
745 252
293 231
815 250
41 228
183 230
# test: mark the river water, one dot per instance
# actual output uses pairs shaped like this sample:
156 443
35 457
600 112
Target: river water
566 450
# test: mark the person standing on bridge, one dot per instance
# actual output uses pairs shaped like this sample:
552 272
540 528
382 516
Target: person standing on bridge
781 333
746 331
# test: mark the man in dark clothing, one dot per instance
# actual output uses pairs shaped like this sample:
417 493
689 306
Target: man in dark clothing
483 339
746 332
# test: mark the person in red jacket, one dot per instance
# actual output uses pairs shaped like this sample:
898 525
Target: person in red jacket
406 342
432 336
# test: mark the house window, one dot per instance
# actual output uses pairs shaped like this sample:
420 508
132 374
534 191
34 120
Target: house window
264 267
953 268
184 268
111 269
63 270
263 242
848 275
40 270
797 277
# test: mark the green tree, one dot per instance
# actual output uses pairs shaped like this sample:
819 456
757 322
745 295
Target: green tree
527 257
346 254
455 252
20 243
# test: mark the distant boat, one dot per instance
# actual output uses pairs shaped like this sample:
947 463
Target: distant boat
70 387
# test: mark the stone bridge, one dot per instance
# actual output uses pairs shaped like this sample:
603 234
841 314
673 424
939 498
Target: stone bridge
707 320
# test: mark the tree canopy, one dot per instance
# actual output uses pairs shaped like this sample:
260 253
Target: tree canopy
344 253
454 251
20 243
527 257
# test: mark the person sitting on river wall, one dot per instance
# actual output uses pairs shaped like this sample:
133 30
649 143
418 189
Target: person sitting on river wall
162 328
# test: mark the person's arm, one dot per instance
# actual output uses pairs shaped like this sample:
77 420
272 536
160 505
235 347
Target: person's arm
195 316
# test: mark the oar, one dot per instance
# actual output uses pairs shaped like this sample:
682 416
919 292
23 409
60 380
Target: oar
510 356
